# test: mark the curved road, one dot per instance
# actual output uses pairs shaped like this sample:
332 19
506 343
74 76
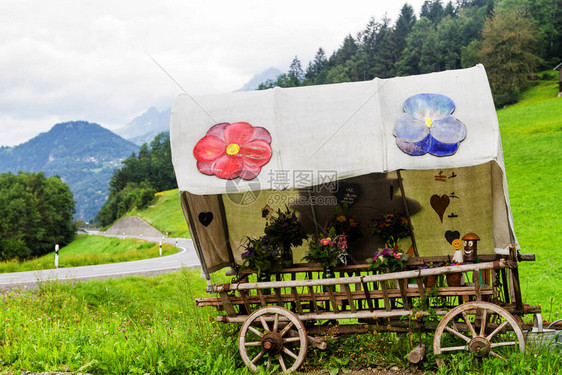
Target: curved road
169 263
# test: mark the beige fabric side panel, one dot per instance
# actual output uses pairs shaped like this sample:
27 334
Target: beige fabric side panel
211 237
503 234
470 208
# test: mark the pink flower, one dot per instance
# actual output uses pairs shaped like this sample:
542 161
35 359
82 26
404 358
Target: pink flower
233 150
325 242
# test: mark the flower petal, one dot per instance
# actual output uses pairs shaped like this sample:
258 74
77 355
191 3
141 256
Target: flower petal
206 167
209 148
218 130
433 106
262 133
249 172
256 152
441 148
414 148
238 133
410 129
228 167
448 130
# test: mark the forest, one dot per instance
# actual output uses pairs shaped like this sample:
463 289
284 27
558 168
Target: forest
512 39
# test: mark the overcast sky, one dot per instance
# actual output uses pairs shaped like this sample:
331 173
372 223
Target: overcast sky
89 60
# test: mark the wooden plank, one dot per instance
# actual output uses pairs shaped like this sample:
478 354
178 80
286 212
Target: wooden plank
227 305
421 289
333 299
340 296
277 292
515 279
476 280
505 287
313 298
494 283
385 296
261 298
244 297
349 297
402 283
365 288
297 300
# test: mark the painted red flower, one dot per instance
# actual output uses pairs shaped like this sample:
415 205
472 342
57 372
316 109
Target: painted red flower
233 150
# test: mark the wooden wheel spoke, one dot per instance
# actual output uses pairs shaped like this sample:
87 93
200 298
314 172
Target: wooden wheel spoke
286 329
457 333
264 323
254 330
468 323
268 361
483 319
292 339
253 343
281 362
276 323
507 343
287 351
453 348
500 327
256 358
494 354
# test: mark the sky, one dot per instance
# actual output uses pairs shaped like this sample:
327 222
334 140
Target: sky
101 61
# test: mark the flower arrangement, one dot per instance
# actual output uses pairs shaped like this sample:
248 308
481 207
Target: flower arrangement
390 228
428 265
388 260
344 223
285 230
262 255
329 250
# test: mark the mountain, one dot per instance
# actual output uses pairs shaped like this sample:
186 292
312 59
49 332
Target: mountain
82 154
254 82
143 128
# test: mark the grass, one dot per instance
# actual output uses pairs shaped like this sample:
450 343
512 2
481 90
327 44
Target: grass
532 138
88 250
165 214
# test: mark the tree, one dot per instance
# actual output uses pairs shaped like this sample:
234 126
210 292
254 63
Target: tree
36 213
296 74
410 60
433 10
507 52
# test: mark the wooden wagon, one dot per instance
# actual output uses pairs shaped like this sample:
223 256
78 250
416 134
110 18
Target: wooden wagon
426 146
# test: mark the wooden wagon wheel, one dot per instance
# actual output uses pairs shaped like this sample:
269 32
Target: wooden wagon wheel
273 334
482 334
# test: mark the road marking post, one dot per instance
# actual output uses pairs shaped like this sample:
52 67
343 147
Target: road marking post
160 248
57 256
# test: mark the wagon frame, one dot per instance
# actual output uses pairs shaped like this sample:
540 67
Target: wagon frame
281 318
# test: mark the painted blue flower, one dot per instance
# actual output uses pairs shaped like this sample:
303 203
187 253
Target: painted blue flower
427 126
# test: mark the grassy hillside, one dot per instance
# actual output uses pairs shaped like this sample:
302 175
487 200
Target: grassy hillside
89 250
532 138
165 214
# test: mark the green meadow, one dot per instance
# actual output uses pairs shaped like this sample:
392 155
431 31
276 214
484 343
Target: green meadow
150 325
88 250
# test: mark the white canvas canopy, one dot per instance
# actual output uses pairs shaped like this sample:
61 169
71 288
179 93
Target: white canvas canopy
347 130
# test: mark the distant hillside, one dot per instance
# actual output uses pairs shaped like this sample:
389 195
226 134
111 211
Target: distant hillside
254 82
83 154
143 128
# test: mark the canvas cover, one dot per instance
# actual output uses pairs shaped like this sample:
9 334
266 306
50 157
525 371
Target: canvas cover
347 132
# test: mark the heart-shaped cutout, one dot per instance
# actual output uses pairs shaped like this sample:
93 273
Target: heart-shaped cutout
452 235
206 218
439 204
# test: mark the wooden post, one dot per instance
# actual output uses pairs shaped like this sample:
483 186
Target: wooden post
515 279
417 354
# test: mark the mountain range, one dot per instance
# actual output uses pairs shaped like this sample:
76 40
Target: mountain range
82 154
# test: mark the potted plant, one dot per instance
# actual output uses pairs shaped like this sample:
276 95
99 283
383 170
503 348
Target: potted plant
262 255
328 250
454 278
390 228
388 260
285 230
344 223
430 280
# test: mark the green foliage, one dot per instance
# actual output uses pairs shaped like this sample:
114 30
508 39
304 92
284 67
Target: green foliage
136 182
88 250
446 36
36 212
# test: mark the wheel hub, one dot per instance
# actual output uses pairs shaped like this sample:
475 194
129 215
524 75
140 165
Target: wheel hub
479 346
272 342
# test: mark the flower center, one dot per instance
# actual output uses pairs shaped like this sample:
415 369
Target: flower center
232 149
428 122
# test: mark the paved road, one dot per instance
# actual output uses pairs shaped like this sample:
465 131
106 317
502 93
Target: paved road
185 258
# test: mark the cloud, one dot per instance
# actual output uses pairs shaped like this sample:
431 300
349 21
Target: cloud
90 60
